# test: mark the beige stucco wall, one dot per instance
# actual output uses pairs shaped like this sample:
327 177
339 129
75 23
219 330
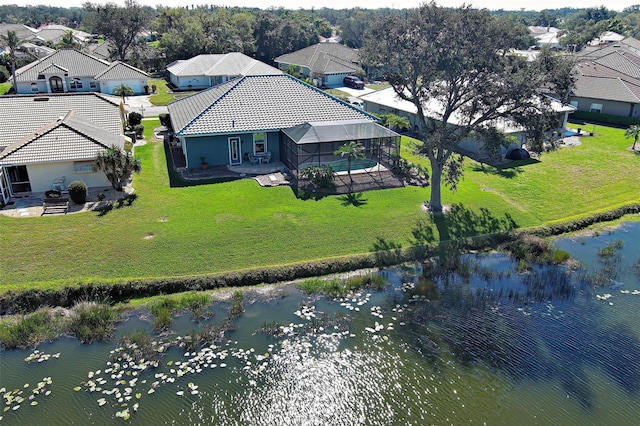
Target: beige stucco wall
41 176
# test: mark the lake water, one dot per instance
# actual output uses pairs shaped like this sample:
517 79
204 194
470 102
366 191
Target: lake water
489 347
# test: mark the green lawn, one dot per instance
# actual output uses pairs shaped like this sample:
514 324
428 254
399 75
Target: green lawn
4 88
192 230
162 97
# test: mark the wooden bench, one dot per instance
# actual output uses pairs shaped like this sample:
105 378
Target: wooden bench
58 204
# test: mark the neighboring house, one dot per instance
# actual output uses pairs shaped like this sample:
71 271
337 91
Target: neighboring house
140 55
607 37
53 34
71 70
386 101
55 138
203 71
326 64
608 81
277 118
546 36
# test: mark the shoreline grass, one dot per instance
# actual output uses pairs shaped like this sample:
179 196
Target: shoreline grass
206 230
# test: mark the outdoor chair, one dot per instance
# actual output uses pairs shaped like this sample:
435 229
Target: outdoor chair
58 184
267 158
253 159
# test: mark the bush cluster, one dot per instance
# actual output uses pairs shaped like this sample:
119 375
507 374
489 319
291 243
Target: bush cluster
135 118
78 191
320 176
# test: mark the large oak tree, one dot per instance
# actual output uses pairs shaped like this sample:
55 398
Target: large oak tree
454 65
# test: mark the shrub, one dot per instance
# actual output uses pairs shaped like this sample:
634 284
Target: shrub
26 331
135 118
4 74
321 176
165 119
139 129
92 321
78 191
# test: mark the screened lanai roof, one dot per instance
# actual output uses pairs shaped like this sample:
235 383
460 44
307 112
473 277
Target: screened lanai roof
337 131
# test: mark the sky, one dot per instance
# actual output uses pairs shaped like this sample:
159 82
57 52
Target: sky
368 4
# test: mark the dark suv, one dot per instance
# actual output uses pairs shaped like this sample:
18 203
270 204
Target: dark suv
353 81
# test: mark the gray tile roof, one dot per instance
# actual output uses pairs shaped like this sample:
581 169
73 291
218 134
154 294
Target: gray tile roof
121 71
228 64
620 62
23 114
78 64
258 103
324 58
65 139
22 31
606 88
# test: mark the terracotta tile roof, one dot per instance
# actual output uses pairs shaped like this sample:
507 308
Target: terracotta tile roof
258 103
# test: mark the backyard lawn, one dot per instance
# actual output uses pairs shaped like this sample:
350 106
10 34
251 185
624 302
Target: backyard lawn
4 88
213 228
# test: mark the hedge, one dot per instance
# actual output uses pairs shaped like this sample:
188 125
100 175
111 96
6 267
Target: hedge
595 117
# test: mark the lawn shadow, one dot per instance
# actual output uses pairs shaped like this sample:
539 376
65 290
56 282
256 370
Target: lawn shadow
118 204
309 195
508 170
461 222
353 199
386 252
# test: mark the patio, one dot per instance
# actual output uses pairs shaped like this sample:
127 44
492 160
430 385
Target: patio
29 204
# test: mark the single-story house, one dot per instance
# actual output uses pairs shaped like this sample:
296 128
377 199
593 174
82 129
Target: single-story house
546 36
608 82
203 71
70 70
386 101
274 118
53 139
326 64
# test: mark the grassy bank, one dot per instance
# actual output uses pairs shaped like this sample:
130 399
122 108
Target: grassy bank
203 230
4 88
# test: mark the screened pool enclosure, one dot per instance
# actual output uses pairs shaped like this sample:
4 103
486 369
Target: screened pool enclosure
314 144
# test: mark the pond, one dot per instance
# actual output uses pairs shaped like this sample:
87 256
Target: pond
485 346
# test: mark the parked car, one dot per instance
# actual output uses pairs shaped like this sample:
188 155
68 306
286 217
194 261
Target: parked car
354 82
358 104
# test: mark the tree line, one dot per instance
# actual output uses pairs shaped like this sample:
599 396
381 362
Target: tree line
182 33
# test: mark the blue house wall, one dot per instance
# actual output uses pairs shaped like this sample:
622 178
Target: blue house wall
215 149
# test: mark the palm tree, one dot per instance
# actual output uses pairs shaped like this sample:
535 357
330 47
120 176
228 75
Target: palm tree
633 132
352 150
117 165
396 122
68 41
122 90
12 41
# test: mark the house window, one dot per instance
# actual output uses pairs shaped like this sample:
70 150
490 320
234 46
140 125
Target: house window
56 84
259 143
84 167
34 87
75 84
596 108
93 85
40 76
574 104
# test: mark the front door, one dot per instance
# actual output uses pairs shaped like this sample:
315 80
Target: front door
235 157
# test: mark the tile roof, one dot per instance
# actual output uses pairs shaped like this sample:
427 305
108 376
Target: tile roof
78 64
621 62
121 71
324 58
258 103
23 114
228 64
65 139
606 88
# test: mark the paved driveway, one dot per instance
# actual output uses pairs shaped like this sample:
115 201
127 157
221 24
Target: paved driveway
140 104
354 92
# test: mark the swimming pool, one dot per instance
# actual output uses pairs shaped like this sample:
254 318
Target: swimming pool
342 164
